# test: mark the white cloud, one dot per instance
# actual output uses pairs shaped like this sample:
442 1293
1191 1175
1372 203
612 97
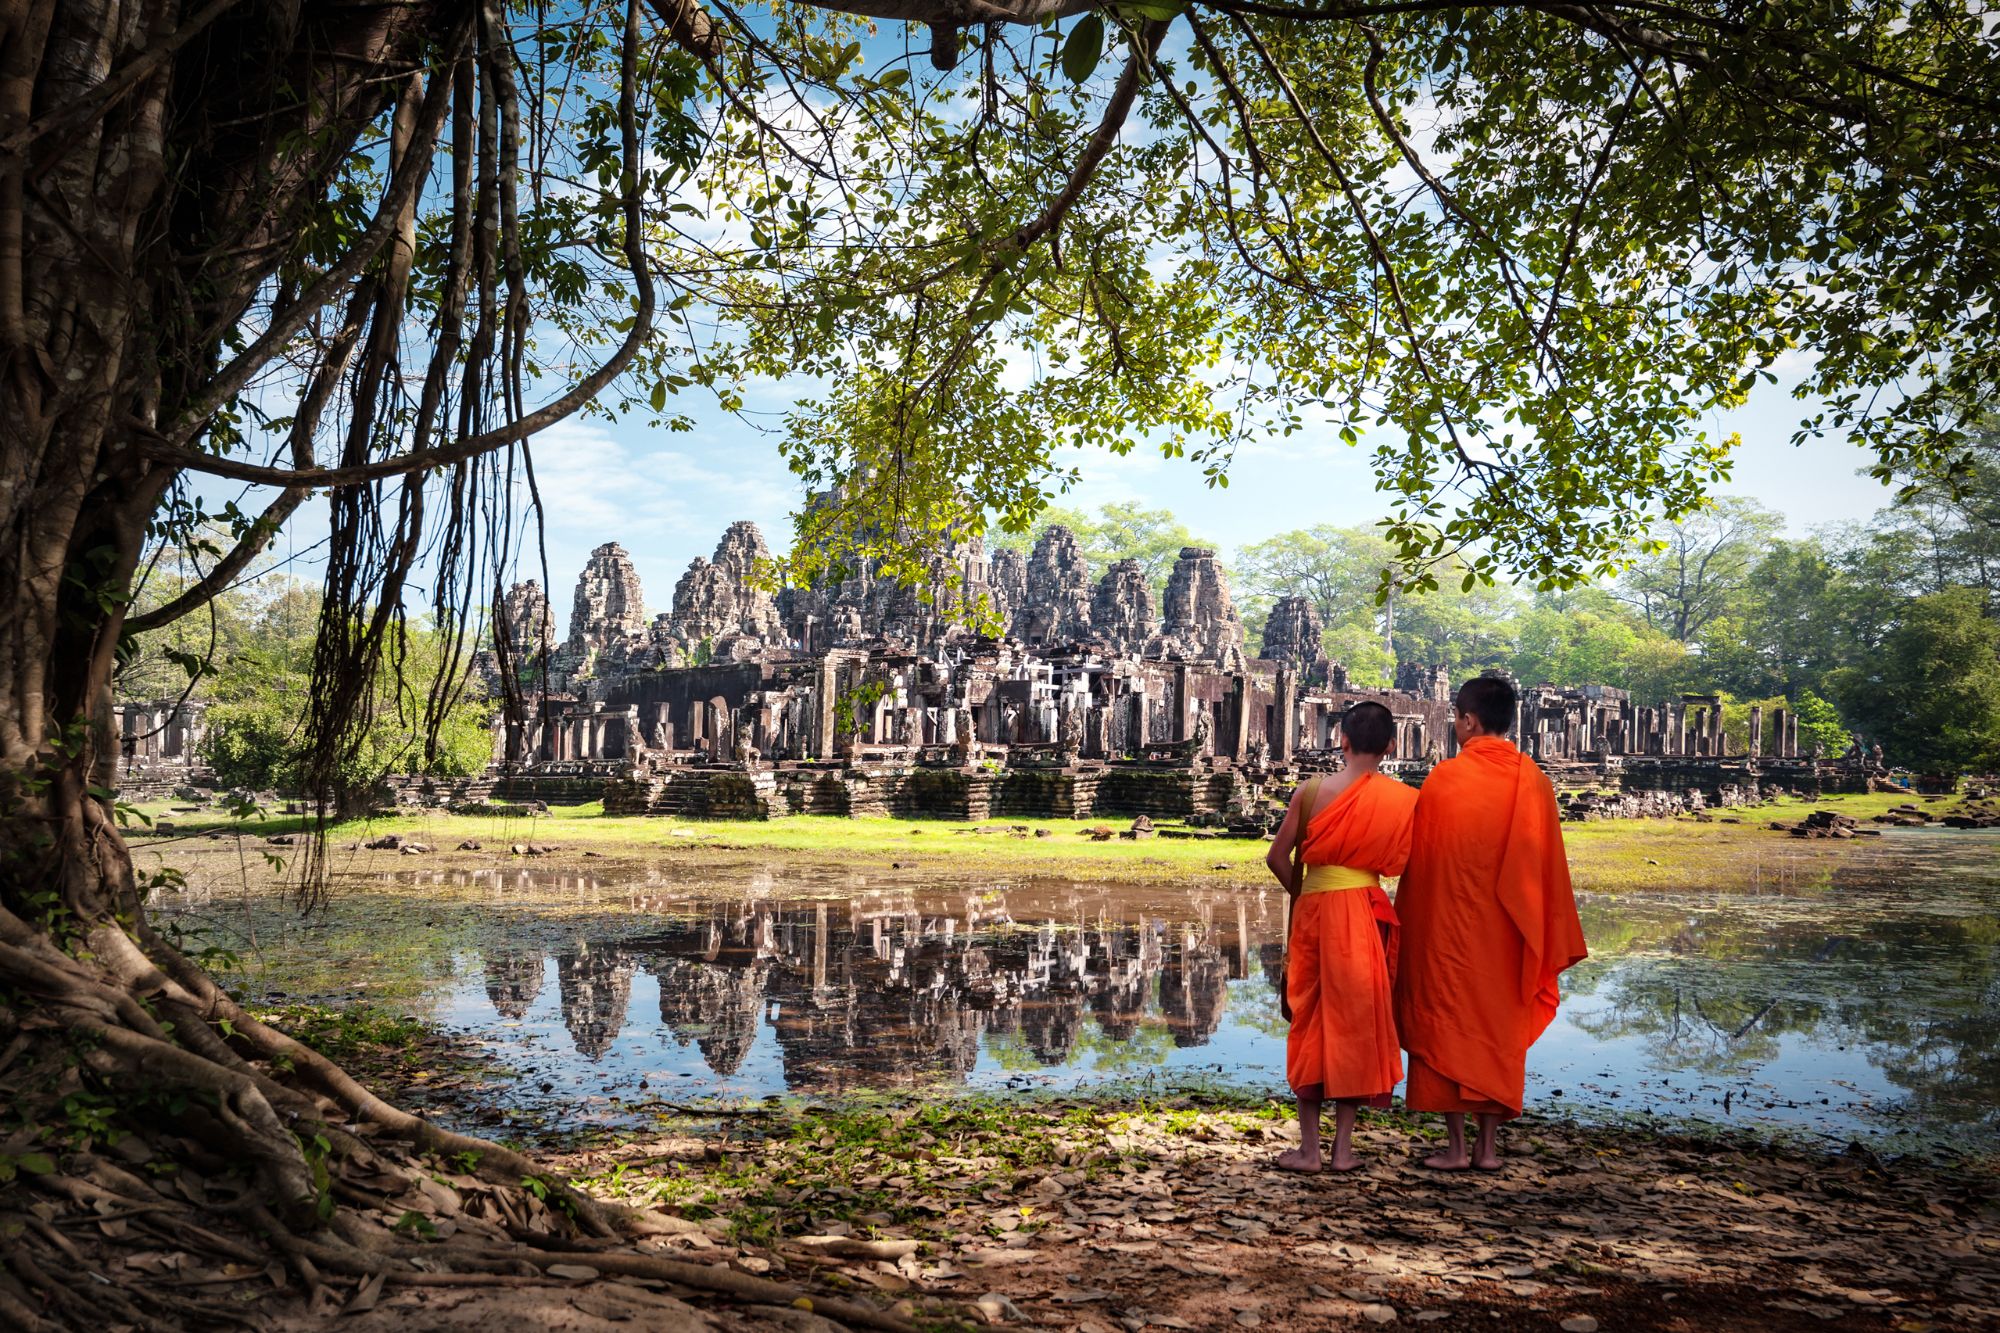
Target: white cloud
666 498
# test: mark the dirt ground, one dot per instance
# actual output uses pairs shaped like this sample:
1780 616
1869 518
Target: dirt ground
1176 1219
1096 1215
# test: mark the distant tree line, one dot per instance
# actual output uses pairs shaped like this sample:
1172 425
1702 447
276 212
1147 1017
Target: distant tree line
1889 629
248 655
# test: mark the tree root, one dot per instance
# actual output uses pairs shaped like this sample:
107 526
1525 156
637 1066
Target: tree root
249 1178
728 1282
495 1162
14 1311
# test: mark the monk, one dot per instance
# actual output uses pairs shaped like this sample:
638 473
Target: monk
1342 833
1489 923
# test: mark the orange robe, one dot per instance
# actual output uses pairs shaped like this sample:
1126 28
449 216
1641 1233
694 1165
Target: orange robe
1339 977
1489 923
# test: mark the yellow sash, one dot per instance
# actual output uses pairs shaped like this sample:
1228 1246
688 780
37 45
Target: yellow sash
1326 879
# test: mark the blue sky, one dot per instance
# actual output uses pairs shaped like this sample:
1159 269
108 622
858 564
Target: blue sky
666 497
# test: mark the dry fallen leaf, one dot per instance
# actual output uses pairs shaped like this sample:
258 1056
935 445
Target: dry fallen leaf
365 1298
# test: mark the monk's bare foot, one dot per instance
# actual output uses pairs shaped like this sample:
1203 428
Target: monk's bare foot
1448 1161
1298 1159
1488 1162
1346 1161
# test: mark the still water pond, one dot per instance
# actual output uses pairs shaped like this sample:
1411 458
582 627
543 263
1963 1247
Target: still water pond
1861 1003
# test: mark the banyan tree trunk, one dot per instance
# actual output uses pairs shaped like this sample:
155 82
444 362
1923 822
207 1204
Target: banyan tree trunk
155 161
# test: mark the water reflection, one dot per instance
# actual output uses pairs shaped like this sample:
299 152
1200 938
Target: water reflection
1866 1001
1729 999
884 990
513 980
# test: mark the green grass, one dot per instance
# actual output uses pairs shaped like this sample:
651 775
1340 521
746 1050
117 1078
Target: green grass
928 845
348 1032
1607 856
1627 855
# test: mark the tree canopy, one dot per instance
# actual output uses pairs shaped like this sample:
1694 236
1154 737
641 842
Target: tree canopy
1881 628
1521 250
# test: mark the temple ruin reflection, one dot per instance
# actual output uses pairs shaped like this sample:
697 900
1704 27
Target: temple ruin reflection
887 990
596 986
514 980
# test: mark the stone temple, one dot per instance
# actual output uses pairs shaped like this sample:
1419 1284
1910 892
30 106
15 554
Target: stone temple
1067 697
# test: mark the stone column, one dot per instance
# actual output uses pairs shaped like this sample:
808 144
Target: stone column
1756 731
1242 743
1281 713
824 696
1181 723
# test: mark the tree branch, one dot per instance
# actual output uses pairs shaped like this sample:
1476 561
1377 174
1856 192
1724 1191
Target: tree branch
226 569
1146 42
688 24
960 13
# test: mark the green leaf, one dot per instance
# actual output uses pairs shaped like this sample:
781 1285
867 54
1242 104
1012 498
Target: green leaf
1084 48
36 1163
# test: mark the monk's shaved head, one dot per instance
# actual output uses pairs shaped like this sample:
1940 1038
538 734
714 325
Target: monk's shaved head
1368 728
1491 700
